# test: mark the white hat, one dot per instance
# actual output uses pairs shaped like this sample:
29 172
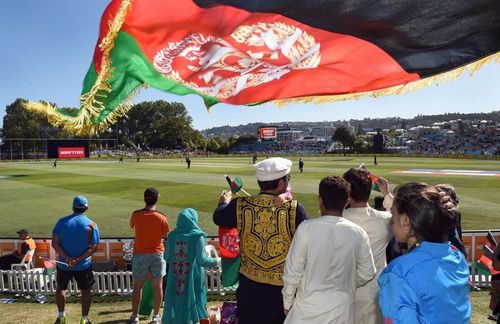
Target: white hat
272 169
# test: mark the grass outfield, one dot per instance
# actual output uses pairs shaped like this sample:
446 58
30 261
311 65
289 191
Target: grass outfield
34 195
115 309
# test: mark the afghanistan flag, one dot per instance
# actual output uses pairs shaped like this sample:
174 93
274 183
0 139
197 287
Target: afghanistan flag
253 51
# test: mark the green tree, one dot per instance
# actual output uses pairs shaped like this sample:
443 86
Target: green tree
246 139
213 146
344 135
359 145
158 124
19 122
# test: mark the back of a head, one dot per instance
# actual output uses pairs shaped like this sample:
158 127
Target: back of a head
429 218
449 190
151 196
269 172
334 192
80 204
361 184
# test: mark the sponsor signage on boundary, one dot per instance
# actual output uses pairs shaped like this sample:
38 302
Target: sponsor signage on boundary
266 133
71 152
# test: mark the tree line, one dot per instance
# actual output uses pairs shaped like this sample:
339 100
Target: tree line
150 124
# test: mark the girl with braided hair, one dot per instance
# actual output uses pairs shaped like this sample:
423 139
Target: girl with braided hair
430 284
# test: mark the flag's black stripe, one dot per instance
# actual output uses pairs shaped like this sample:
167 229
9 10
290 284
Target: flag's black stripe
427 37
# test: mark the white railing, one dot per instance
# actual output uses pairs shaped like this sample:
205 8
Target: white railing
115 282
120 282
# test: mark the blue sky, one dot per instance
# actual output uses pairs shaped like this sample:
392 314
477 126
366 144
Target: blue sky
47 48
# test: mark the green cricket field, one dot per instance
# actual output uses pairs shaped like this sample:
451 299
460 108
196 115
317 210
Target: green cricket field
34 195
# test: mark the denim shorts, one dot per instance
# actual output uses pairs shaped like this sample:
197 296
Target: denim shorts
144 263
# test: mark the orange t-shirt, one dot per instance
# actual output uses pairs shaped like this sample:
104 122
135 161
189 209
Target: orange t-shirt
150 227
28 244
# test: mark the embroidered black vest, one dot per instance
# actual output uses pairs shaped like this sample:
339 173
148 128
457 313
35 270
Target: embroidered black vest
266 233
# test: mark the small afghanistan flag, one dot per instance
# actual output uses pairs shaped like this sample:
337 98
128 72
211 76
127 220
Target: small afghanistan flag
253 51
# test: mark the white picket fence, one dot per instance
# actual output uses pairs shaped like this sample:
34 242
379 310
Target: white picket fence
116 282
120 282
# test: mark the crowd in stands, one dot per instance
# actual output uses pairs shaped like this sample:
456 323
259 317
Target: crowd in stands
301 147
149 153
471 142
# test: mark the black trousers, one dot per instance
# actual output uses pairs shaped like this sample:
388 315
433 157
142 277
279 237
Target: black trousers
259 303
7 260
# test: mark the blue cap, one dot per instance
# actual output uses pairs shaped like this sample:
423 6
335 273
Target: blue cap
80 202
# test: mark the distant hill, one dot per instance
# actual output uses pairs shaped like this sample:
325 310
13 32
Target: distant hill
366 123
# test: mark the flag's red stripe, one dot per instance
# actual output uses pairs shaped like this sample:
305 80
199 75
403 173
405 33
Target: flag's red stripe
348 64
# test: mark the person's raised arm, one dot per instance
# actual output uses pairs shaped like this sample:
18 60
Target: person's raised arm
383 185
225 213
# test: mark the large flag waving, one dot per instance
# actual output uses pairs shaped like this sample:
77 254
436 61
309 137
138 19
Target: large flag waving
254 51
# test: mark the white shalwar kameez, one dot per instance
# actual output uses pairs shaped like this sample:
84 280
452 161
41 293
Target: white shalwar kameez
329 257
377 224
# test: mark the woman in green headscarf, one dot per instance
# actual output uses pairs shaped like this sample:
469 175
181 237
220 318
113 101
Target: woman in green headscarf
186 295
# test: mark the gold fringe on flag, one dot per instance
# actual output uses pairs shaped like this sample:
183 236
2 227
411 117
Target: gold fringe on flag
395 90
82 123
91 103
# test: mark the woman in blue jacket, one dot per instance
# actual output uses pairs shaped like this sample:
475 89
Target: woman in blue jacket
430 284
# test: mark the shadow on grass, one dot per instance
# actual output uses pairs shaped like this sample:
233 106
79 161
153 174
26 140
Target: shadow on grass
116 312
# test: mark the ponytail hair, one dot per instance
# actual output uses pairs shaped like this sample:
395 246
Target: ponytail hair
429 215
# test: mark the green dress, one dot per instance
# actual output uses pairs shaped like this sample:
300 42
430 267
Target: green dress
186 296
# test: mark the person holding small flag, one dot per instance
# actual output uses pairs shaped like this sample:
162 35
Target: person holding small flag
377 225
266 227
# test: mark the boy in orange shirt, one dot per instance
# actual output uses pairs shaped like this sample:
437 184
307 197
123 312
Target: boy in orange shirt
151 227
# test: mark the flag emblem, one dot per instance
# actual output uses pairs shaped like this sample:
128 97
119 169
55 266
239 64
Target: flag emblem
262 52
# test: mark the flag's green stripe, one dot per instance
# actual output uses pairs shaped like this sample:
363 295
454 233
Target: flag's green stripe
131 68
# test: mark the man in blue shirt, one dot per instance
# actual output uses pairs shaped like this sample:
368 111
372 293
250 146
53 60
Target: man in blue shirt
75 239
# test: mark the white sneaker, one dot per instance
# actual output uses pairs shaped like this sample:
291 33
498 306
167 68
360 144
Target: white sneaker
134 319
156 319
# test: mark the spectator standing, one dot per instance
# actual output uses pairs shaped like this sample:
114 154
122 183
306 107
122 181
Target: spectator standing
430 283
377 226
15 257
454 233
266 227
151 227
186 294
75 239
330 256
